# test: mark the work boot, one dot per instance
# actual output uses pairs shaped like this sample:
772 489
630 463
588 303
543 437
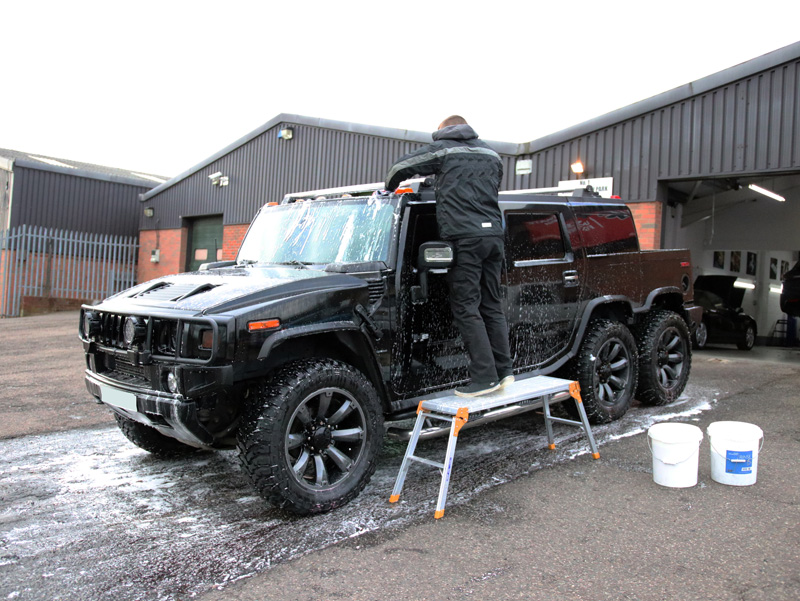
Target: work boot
476 389
506 380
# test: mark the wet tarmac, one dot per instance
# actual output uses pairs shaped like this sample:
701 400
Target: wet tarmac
86 515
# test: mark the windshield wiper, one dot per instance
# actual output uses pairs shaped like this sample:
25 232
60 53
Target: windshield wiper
246 262
295 262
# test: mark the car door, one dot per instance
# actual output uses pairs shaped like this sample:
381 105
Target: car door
544 289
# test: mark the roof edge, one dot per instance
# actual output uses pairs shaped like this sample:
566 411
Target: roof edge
701 86
74 171
356 128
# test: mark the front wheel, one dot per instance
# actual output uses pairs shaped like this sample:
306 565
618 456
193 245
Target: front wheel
312 437
151 440
665 357
606 368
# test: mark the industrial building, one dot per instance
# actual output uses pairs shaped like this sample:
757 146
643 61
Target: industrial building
68 231
696 164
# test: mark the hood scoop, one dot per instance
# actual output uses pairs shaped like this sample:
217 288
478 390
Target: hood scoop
167 291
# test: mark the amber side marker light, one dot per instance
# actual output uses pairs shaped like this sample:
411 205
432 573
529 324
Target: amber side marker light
404 190
267 324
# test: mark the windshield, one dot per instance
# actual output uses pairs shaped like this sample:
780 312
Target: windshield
319 233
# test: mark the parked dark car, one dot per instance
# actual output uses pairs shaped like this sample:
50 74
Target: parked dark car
723 317
790 295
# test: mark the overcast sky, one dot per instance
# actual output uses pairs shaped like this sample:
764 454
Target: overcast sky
158 86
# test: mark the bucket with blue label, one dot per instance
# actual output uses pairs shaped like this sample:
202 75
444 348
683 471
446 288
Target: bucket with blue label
734 452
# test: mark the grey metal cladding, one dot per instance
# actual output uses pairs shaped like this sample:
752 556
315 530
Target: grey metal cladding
52 199
741 126
265 168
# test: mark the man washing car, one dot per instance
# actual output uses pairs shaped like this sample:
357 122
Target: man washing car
468 175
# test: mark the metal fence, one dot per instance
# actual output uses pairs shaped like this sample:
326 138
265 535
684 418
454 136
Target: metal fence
49 263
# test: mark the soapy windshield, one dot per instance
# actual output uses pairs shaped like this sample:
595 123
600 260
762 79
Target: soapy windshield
321 232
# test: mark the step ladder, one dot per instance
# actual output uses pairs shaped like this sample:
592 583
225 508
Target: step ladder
539 390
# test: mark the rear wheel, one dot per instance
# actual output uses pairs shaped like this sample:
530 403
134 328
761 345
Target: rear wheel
606 368
748 339
312 437
151 440
665 357
700 336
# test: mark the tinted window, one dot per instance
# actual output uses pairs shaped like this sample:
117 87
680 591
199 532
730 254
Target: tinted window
606 230
534 236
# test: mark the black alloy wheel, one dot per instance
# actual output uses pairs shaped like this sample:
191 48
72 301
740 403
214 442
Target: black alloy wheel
310 440
607 370
665 357
325 437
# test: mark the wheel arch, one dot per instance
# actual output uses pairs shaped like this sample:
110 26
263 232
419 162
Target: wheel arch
343 341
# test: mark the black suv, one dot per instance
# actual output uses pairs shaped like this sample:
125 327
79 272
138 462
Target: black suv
335 318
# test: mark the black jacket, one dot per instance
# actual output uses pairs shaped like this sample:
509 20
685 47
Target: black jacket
468 175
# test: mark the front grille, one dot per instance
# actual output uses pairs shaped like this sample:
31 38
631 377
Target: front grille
130 369
122 370
162 332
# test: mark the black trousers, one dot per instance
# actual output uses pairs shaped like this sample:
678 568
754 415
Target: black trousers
475 300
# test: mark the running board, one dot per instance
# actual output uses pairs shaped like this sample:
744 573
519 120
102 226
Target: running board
398 433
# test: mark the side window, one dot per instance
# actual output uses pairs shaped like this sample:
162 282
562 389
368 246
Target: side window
606 230
534 237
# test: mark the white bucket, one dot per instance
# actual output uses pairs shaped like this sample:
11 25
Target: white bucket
676 451
734 452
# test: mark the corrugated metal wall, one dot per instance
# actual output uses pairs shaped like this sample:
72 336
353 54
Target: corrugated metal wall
748 126
81 204
266 168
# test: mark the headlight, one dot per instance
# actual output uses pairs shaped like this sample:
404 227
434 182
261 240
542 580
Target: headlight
135 331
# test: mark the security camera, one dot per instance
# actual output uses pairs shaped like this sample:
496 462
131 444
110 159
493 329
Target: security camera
216 175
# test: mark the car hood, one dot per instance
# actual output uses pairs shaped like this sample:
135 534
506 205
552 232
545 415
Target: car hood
722 286
226 289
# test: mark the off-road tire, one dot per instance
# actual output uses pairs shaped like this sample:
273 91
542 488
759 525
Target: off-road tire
151 440
748 339
311 436
606 368
665 357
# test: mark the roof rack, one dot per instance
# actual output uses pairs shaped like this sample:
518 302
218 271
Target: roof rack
355 190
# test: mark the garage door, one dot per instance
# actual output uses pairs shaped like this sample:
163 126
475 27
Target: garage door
205 241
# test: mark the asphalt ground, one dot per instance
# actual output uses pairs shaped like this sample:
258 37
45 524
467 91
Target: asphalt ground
579 529
41 371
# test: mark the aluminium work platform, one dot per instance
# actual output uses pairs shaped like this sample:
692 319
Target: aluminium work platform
538 391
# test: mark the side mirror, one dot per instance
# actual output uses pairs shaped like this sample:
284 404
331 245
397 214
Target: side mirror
435 255
432 256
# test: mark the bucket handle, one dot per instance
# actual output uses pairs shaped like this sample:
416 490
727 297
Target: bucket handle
713 448
650 446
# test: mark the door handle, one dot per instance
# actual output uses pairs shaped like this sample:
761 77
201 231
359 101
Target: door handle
570 278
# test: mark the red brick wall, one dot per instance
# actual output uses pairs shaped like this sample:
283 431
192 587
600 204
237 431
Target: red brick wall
171 243
232 236
647 216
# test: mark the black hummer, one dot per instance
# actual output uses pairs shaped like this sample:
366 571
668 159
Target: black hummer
335 318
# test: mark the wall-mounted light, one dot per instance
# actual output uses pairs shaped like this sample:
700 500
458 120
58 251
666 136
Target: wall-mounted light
217 179
149 211
286 134
577 167
767 193
745 284
776 289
